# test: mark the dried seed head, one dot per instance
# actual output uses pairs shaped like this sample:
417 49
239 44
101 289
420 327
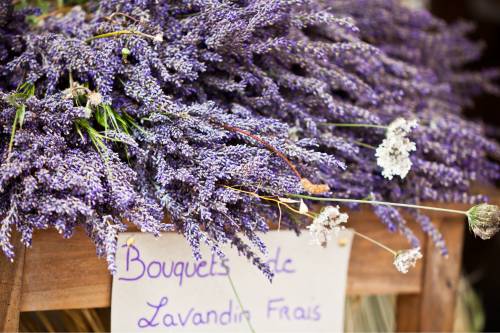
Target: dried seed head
314 188
484 220
406 259
125 53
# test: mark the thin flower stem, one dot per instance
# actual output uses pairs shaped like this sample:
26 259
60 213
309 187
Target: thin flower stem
119 33
375 242
270 199
362 144
311 216
110 34
354 125
235 292
375 202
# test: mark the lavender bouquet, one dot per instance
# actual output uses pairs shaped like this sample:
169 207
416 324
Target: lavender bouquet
224 115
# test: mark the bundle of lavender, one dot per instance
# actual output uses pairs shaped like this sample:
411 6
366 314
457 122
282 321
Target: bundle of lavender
224 115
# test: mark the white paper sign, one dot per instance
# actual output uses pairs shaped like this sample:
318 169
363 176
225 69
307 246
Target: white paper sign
160 287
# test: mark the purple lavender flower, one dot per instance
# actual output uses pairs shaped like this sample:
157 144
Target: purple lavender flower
176 77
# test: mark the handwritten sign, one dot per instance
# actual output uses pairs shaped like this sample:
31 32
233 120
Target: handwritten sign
159 286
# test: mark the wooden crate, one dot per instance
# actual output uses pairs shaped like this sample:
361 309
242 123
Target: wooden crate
65 274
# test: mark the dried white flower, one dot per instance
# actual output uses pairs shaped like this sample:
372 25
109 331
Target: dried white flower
401 127
158 38
406 259
327 221
303 209
75 90
94 98
68 94
87 113
294 133
393 154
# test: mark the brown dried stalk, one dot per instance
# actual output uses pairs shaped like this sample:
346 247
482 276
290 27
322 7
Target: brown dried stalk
306 183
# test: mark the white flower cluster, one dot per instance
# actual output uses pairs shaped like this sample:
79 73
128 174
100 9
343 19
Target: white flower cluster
393 154
94 98
406 259
327 221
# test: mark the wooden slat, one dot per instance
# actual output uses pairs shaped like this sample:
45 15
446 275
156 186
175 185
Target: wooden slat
65 274
10 288
433 309
441 278
408 313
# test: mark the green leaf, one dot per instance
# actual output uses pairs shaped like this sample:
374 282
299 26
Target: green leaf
13 132
21 114
17 99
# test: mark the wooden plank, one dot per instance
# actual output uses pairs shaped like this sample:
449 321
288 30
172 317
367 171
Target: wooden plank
434 309
65 274
371 269
10 287
408 313
441 278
